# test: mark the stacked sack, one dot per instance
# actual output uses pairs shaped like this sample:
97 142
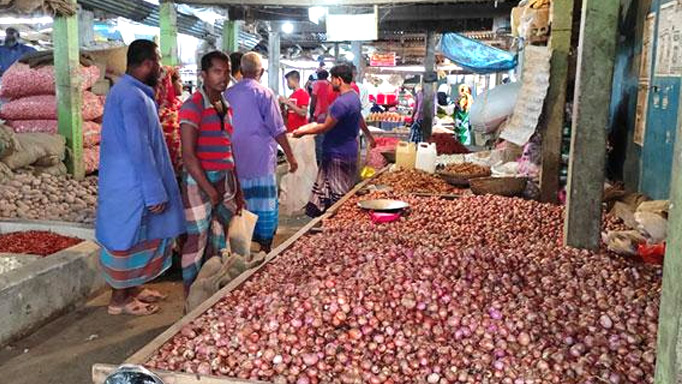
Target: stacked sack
30 87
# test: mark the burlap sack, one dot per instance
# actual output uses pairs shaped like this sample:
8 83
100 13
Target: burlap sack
43 147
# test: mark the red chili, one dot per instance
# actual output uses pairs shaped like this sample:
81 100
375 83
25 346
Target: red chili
35 242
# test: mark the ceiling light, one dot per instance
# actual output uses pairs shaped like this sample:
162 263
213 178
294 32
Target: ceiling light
287 27
315 14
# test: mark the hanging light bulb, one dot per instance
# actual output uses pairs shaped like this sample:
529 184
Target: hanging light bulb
287 27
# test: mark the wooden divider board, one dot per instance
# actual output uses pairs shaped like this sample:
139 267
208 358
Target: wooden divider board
100 371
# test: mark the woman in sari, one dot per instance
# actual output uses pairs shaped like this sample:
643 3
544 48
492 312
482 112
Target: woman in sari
168 98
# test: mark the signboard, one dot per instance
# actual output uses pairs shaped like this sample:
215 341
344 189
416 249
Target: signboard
359 27
669 51
382 60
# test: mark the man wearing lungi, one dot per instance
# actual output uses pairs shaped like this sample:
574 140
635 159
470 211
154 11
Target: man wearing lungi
210 190
258 128
339 167
139 206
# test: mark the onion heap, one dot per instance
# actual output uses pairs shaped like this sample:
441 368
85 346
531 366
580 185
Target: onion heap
412 180
476 290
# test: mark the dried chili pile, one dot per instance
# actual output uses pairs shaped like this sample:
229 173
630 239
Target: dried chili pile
35 243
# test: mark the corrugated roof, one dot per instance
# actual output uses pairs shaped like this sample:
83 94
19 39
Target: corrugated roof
148 14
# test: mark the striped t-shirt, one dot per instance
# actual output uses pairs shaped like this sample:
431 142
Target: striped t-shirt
214 145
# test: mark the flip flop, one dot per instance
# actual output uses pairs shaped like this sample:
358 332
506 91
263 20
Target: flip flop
150 296
134 308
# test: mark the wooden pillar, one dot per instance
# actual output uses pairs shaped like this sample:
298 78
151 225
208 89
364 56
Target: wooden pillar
560 44
596 58
430 81
230 36
668 357
358 60
168 23
69 93
274 40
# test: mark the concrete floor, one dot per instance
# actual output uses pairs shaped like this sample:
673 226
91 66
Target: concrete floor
64 351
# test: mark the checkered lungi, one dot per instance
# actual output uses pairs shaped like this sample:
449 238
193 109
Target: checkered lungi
334 179
206 225
142 263
260 194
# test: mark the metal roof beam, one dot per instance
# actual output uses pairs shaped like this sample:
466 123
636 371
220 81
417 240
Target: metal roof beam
313 3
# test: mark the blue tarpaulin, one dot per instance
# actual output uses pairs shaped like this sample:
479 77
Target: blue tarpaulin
475 56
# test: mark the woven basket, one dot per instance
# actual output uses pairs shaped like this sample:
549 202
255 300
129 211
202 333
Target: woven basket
455 180
503 186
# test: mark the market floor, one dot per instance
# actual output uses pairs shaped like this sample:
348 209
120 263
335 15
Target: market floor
64 351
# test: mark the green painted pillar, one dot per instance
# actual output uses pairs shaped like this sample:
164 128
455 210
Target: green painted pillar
230 36
69 94
168 23
594 80
560 43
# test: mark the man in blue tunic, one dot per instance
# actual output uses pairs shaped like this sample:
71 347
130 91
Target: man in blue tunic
12 49
139 209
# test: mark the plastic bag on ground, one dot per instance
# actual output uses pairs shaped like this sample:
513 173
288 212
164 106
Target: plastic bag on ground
623 242
44 107
240 232
21 81
34 147
296 187
216 273
653 225
659 207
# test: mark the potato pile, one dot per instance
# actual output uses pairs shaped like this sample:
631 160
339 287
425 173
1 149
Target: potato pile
47 197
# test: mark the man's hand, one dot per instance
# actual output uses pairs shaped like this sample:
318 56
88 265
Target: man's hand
282 100
214 196
293 165
158 208
297 133
371 141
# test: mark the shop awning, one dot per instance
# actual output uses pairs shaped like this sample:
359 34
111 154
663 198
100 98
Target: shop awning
476 56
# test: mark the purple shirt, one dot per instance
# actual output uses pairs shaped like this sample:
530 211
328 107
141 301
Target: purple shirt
257 122
341 141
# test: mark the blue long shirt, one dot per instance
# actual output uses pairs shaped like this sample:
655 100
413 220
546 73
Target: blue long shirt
135 171
9 55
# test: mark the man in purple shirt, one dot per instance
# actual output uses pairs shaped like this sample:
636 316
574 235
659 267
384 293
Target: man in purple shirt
258 128
339 166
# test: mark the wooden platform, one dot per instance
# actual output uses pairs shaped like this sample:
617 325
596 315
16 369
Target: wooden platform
100 371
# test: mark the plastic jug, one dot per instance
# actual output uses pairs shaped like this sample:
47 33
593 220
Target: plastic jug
405 155
426 157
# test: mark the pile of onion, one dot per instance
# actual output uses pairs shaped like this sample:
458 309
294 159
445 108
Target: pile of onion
477 290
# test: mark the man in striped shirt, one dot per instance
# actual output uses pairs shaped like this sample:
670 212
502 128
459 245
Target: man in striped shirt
211 192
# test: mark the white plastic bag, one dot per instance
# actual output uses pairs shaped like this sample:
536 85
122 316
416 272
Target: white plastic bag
240 233
493 107
653 225
295 188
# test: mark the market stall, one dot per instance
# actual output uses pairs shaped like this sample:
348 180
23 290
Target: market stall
480 289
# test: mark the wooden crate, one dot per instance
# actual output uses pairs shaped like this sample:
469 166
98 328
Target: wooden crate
101 371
